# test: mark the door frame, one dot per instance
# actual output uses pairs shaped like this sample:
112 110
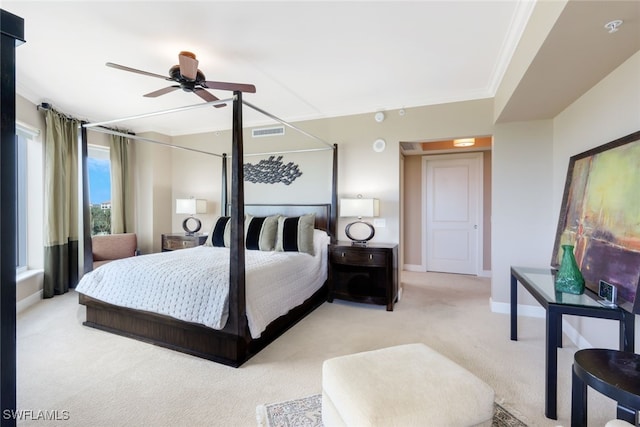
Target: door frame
478 157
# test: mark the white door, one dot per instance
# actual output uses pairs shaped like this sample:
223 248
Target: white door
453 189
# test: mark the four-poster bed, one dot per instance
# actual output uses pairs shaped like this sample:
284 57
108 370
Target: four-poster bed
233 344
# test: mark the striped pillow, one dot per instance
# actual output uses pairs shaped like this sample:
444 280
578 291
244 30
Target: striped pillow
260 232
220 235
295 234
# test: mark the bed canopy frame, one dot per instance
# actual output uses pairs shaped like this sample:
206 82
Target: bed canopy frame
232 345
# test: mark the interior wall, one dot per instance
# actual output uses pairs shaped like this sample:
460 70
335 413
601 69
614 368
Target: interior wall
412 213
522 212
530 165
487 189
542 19
153 191
361 170
195 175
608 111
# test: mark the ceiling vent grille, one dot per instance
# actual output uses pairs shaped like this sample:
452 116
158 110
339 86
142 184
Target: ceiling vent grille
272 131
410 146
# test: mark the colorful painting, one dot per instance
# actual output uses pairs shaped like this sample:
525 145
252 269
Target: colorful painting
600 216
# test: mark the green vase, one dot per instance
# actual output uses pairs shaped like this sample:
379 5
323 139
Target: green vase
569 278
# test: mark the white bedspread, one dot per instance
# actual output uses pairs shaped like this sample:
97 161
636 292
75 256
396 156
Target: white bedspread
192 284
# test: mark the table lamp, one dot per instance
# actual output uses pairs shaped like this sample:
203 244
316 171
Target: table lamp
191 207
360 232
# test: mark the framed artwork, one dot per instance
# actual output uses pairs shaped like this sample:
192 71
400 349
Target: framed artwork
600 216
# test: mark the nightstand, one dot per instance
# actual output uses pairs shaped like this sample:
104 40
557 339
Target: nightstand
175 241
366 274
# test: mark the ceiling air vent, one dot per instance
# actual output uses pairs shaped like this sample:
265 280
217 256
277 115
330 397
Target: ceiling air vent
272 131
410 146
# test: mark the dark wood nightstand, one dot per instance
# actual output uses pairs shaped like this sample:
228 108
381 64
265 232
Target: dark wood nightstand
364 273
175 241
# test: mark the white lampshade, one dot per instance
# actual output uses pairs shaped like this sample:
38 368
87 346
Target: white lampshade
359 208
191 206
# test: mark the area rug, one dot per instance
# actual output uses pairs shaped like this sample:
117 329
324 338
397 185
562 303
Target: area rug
306 412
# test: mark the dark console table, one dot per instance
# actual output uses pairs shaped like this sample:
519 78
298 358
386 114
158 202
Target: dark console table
540 283
616 374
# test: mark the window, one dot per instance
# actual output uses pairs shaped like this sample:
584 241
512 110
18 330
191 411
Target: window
21 192
99 168
29 224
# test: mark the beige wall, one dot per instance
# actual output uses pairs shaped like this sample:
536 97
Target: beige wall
412 239
361 170
523 218
530 162
590 122
154 189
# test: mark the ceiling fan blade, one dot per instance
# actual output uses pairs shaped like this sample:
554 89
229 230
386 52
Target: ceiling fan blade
188 65
162 91
133 70
202 93
242 87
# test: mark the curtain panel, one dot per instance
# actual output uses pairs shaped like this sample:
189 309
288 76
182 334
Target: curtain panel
122 202
61 203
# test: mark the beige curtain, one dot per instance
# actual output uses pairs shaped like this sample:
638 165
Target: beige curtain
122 194
60 204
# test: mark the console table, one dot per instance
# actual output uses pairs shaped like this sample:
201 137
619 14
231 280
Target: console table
540 283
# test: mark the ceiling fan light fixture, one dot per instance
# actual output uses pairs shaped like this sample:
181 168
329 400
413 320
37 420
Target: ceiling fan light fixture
464 142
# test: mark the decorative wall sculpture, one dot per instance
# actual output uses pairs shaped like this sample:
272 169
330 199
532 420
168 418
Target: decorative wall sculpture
271 171
600 216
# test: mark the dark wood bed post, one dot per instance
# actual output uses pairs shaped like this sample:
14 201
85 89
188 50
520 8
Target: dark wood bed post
11 36
86 204
237 304
333 225
224 195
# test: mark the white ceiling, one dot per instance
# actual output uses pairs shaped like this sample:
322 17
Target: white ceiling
307 59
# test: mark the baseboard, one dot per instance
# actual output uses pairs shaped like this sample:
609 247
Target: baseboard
27 302
421 269
29 285
523 310
539 312
575 336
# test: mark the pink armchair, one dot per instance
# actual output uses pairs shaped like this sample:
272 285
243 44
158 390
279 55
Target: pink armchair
110 247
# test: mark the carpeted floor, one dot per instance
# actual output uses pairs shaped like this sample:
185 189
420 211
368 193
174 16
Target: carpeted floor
306 412
105 380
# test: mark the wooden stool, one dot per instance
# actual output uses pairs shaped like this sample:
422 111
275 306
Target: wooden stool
616 374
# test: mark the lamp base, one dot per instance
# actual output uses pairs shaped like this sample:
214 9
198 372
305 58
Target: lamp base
362 238
188 230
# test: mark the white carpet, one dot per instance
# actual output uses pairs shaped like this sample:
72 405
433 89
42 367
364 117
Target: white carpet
107 380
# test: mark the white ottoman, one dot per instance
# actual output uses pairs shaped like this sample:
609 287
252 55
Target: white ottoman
406 385
618 423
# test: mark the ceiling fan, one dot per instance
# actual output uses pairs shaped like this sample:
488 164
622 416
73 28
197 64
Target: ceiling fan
188 78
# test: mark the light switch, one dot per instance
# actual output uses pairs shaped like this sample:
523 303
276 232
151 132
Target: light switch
379 222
